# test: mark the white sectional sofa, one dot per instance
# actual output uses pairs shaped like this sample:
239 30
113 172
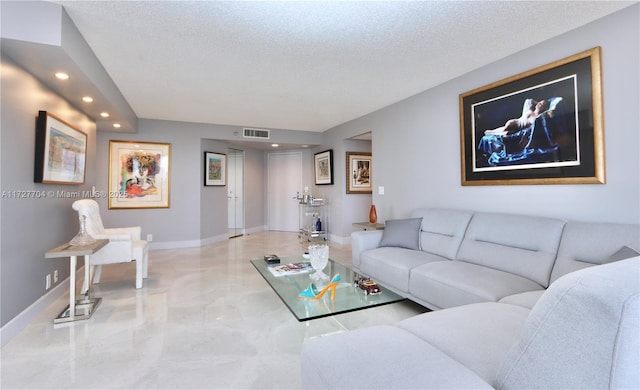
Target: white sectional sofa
526 304
444 258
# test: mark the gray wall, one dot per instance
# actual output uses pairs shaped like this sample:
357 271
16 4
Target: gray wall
416 142
31 226
343 208
181 221
213 200
197 214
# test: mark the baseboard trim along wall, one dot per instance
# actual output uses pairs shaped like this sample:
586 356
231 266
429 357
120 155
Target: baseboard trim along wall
19 322
199 243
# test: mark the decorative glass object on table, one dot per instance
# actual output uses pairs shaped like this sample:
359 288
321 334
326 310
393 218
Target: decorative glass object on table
82 238
319 255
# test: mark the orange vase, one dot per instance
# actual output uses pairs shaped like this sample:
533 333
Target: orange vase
373 216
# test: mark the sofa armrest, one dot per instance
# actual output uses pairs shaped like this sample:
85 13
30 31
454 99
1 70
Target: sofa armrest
113 237
362 241
134 232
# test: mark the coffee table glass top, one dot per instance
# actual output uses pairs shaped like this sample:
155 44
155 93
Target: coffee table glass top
348 297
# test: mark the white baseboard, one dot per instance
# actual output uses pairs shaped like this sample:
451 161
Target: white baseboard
19 322
340 239
254 230
202 242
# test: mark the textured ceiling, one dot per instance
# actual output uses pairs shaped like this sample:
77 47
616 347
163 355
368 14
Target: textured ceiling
305 65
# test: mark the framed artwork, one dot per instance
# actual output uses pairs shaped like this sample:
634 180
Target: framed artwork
544 126
323 163
215 169
138 175
60 152
359 173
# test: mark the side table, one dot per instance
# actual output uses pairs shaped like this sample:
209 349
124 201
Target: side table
86 305
368 225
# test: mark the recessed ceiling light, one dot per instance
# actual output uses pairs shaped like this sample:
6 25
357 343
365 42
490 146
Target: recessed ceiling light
275 145
87 99
62 76
104 114
116 125
304 146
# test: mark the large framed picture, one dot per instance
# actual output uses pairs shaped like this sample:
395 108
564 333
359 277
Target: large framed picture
358 173
60 152
544 126
323 163
138 175
215 169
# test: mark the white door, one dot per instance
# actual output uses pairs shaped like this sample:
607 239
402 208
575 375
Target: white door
284 182
235 194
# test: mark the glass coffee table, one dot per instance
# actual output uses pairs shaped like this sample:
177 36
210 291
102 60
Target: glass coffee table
348 296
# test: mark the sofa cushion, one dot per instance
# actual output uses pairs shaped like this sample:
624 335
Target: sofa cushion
442 230
479 336
402 233
455 283
381 357
518 244
582 333
391 266
526 299
586 244
362 241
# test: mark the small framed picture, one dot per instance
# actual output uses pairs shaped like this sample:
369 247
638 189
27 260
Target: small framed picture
359 173
215 169
324 167
61 151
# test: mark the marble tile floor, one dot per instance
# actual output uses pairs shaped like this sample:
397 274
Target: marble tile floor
205 319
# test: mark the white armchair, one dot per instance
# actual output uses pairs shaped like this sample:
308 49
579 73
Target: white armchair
124 244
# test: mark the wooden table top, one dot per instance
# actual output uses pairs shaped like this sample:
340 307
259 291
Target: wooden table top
66 250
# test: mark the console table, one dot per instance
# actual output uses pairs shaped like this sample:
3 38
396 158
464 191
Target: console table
368 225
86 305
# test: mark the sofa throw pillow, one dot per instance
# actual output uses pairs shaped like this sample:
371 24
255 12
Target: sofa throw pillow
624 253
402 233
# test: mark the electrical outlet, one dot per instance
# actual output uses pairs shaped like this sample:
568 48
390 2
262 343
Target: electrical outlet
149 237
55 276
47 282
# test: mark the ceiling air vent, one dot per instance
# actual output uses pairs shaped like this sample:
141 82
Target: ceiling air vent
255 133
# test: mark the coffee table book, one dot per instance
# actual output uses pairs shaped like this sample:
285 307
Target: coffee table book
290 269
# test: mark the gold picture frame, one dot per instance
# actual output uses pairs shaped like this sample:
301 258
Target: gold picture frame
139 175
359 172
558 137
